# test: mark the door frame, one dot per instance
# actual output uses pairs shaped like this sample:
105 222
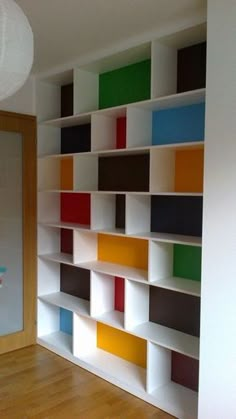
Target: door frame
26 126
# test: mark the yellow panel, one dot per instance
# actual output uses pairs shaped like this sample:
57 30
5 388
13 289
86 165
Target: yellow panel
122 344
67 173
123 250
189 170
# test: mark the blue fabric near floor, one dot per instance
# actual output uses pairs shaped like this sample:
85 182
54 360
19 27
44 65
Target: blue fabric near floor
177 125
66 322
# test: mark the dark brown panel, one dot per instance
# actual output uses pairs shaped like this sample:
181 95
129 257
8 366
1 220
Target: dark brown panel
67 100
191 73
177 215
124 173
184 371
66 241
75 281
175 310
120 211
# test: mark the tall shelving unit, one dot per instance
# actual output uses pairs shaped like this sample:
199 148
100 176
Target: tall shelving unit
120 218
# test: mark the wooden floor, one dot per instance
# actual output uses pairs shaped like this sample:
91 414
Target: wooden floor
35 383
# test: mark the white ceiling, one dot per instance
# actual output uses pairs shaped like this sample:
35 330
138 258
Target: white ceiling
65 30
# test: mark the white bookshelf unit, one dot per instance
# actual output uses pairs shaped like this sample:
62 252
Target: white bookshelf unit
120 181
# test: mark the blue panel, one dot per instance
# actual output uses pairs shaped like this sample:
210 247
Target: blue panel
177 125
66 321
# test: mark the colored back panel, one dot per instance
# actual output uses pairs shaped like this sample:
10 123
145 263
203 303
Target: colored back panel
184 371
67 98
124 173
123 250
119 294
67 173
189 171
177 215
75 281
76 139
122 344
177 125
120 211
75 208
191 69
175 310
121 132
66 241
125 85
66 321
187 262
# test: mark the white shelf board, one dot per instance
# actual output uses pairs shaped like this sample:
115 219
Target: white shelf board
186 286
122 192
69 121
193 145
170 101
59 191
85 118
68 302
99 266
115 270
63 156
112 318
176 400
173 101
168 338
118 370
69 226
110 231
59 342
58 258
170 238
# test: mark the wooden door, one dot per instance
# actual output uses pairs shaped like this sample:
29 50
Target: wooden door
23 127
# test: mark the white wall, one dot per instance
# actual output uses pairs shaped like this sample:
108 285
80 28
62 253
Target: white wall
218 317
22 101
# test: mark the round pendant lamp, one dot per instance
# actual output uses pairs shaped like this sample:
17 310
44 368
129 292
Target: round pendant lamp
16 48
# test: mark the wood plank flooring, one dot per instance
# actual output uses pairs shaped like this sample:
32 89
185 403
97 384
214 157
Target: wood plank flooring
35 383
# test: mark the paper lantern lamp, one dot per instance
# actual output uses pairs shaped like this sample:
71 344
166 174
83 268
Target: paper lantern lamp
16 48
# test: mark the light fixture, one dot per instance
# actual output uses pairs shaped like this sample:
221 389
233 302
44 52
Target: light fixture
16 48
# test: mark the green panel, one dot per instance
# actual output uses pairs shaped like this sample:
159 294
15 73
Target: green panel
187 262
125 85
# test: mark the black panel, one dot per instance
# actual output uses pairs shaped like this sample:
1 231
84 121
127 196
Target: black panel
67 100
191 73
124 173
175 310
76 139
75 281
120 211
177 215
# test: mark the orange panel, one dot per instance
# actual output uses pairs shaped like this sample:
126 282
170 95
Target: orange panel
189 170
67 173
123 250
122 344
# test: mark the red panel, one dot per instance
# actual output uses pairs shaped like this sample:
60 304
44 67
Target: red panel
66 241
121 132
119 293
75 208
185 371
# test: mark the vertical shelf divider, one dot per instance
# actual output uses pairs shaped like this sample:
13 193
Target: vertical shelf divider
103 132
136 304
139 127
86 85
85 246
164 70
